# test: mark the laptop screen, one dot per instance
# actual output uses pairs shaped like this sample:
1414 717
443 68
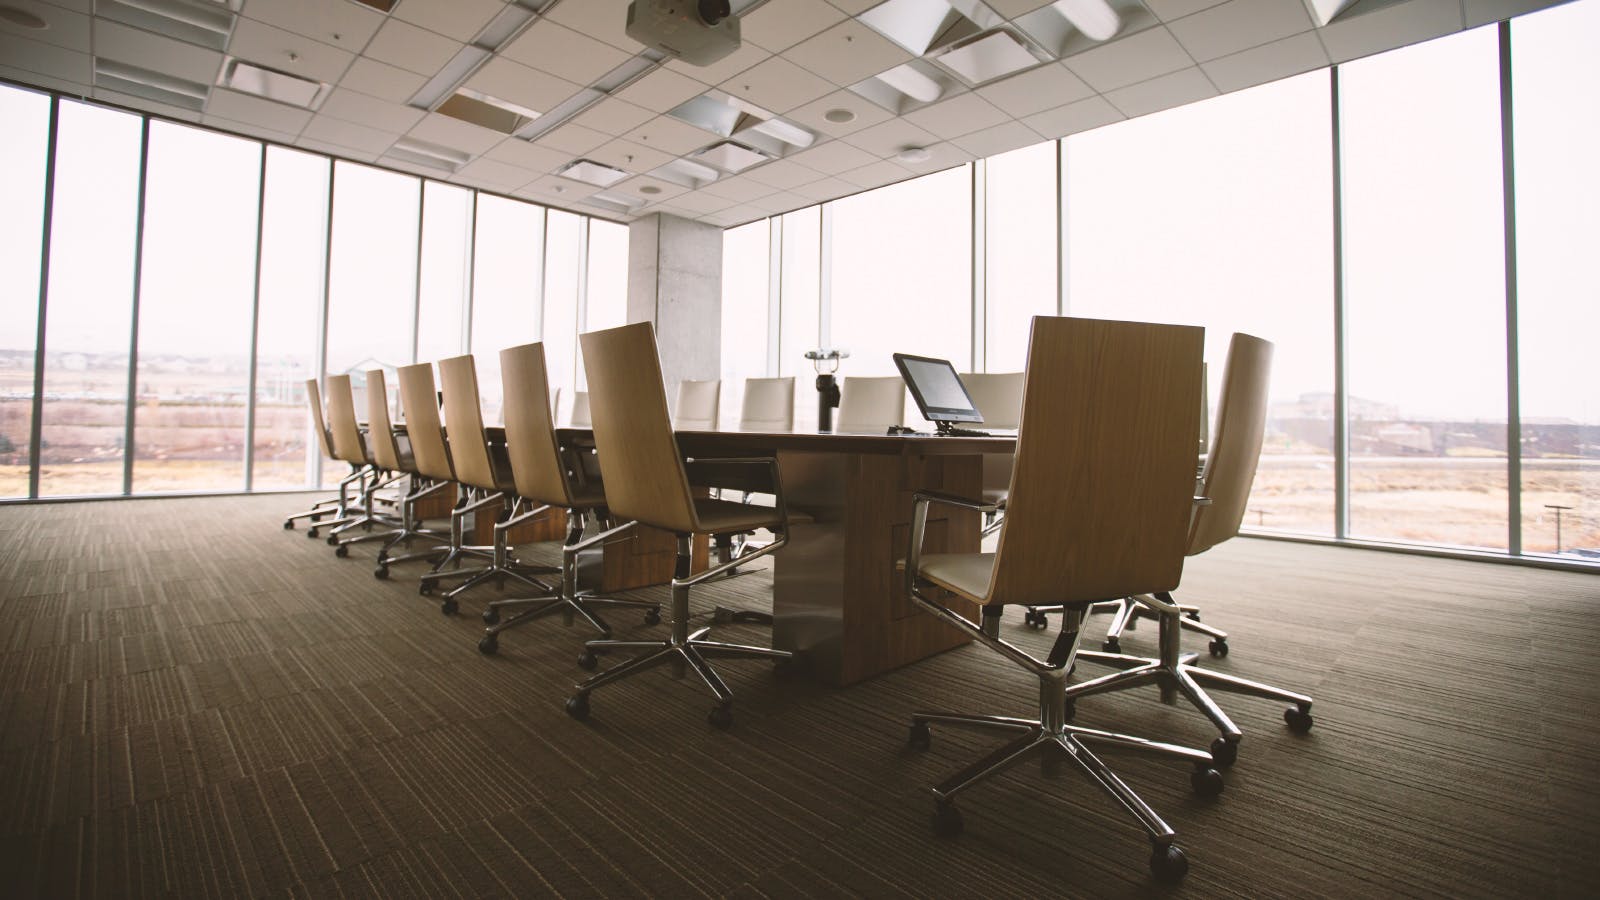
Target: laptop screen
937 389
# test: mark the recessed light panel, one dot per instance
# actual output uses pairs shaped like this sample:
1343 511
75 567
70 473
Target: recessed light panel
272 84
986 57
590 172
730 157
478 108
205 24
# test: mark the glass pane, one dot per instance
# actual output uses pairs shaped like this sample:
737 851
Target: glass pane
196 300
1220 214
1425 293
22 165
798 294
89 316
606 301
508 275
294 245
1021 246
563 240
373 285
746 261
446 261
1556 76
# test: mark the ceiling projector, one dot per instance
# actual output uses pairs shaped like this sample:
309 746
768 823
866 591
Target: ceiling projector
699 32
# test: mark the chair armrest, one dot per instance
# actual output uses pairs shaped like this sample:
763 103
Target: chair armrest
925 496
920 500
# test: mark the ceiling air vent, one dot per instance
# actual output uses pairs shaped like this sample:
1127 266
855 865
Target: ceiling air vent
157 86
200 22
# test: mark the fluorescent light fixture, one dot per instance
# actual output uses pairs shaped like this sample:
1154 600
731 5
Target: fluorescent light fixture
625 203
686 173
157 86
478 108
281 87
442 85
507 24
991 55
907 80
590 172
382 6
1325 11
205 24
785 131
433 156
1095 18
730 157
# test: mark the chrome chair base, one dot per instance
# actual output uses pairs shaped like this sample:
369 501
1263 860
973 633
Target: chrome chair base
411 529
1126 613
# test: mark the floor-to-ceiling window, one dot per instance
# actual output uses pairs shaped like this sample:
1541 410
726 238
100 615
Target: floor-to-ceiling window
444 277
605 295
1556 84
563 274
746 286
1220 214
507 283
1424 284
1021 244
24 155
799 291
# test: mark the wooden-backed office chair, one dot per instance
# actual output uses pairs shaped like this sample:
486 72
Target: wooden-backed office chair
647 483
547 478
1229 472
1099 507
699 403
349 446
337 506
425 436
768 404
485 479
390 453
871 404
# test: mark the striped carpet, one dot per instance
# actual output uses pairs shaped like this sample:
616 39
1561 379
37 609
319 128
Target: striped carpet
194 702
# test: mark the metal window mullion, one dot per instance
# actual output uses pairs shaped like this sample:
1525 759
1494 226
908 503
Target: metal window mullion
36 426
1508 184
774 296
580 320
544 272
1061 227
1341 431
131 410
979 250
416 289
255 330
315 447
825 276
470 279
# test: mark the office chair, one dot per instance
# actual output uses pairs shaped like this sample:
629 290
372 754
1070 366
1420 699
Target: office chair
339 504
768 404
349 446
998 395
698 405
390 454
1110 524
871 404
546 478
1225 485
647 483
425 436
486 480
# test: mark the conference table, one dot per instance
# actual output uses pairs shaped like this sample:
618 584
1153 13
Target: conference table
839 602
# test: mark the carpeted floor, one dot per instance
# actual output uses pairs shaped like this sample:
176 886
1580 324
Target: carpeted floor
194 702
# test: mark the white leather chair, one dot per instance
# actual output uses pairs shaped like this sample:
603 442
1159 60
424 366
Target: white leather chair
871 404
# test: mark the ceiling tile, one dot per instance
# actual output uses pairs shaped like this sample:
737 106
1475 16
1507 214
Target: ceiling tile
1165 92
628 156
250 108
336 151
573 138
847 53
1239 25
1169 10
891 137
602 19
155 52
737 215
561 51
458 19
501 176
961 114
150 106
671 136
272 47
409 47
778 85
1036 90
738 189
521 85
1482 12
613 116
782 202
664 190
1390 27
662 90
834 157
814 114
349 134
999 139
247 128
826 189
1013 8
454 133
778 26
1074 117
46 59
382 80
878 174
784 174
738 61
351 106
1258 65
555 189
701 203
346 25
64 27
1134 58
536 159
855 7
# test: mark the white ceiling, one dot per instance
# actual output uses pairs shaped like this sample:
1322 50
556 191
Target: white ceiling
798 60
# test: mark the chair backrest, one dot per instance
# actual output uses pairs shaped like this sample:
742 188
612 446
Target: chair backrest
342 426
768 404
871 404
423 432
1241 424
380 431
536 464
998 395
314 400
698 404
463 422
1102 489
580 417
639 458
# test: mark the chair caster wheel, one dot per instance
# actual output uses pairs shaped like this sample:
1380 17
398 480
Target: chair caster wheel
1167 863
425 589
1206 781
721 616
588 661
1298 718
489 645
1224 752
921 738
1218 647
288 524
1038 620
1112 645
653 617
317 517
578 706
312 534
721 715
333 540
381 573
341 551
946 820
491 616
449 606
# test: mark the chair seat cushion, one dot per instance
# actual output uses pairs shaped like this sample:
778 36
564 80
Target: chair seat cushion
967 574
721 516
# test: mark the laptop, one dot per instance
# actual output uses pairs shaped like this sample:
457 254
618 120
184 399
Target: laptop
940 395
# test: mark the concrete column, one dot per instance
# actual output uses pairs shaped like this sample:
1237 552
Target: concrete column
675 282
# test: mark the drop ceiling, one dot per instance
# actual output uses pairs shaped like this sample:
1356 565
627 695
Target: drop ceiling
800 100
